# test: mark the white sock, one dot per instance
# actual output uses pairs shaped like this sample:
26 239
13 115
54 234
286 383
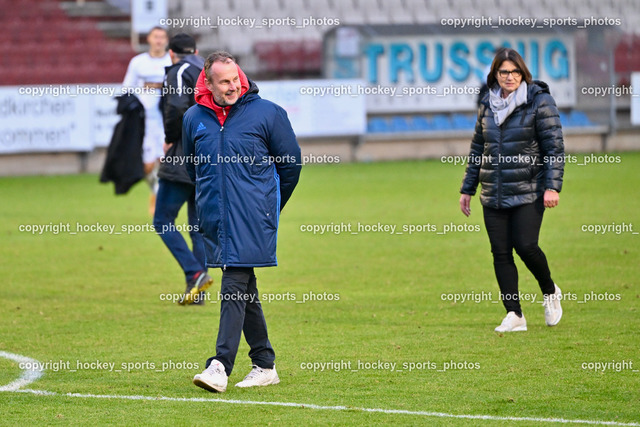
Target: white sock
152 179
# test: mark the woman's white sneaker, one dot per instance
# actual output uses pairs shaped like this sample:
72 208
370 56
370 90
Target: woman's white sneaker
214 378
552 307
512 323
260 377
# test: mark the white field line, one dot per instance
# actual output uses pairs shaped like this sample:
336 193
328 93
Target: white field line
29 376
26 377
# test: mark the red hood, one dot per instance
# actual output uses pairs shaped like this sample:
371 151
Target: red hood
203 96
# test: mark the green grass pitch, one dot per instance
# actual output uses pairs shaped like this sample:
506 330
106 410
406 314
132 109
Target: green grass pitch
379 301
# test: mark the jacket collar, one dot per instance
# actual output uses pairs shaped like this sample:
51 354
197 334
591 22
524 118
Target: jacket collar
204 97
195 60
536 87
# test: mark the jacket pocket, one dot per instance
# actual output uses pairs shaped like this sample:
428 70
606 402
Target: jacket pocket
208 205
262 161
269 205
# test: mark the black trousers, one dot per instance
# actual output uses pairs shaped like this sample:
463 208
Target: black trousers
241 311
517 228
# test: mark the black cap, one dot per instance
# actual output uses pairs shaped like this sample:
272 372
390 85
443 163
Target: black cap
182 43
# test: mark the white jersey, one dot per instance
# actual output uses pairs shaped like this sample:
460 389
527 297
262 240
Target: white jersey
142 69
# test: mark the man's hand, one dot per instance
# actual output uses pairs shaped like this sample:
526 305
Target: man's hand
465 201
166 146
551 199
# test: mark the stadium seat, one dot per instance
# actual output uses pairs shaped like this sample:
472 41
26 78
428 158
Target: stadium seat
377 125
268 56
398 12
312 52
351 14
374 15
291 56
41 29
401 124
579 118
441 122
420 123
422 11
462 122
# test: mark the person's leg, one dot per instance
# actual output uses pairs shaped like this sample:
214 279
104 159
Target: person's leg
150 158
526 223
151 176
255 329
150 173
235 281
152 152
497 223
171 197
197 239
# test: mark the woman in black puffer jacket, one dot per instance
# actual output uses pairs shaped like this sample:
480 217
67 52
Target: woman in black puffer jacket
517 155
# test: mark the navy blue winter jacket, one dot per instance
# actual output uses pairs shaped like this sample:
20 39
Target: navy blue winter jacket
244 172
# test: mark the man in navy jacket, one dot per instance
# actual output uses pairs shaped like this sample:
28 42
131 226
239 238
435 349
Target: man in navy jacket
245 160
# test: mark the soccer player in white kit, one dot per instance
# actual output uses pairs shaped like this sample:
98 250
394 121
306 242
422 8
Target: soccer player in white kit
144 77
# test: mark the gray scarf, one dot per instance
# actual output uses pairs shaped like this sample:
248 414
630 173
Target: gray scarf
503 107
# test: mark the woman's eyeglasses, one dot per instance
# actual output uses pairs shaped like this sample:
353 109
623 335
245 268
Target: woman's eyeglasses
504 73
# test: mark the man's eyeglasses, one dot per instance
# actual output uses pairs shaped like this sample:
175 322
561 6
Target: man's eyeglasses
504 73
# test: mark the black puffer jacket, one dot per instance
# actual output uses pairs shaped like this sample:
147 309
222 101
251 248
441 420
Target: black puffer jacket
517 161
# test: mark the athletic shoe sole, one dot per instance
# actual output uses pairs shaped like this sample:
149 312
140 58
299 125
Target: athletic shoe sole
204 282
209 387
274 382
518 329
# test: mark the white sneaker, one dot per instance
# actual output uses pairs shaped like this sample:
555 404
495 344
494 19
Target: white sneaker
214 378
512 323
259 377
552 307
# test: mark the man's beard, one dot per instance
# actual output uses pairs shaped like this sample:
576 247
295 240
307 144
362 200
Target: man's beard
222 101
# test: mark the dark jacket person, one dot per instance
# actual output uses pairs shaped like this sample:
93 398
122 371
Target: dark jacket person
178 95
517 156
246 163
175 188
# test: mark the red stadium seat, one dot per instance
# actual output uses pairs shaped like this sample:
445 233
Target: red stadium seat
291 56
312 52
269 57
65 49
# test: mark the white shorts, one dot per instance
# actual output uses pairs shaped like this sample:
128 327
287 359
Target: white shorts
153 140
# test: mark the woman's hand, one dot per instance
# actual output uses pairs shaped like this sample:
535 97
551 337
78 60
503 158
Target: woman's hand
551 199
465 201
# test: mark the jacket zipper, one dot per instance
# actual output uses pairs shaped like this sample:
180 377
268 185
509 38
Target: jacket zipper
224 203
524 115
500 169
225 253
499 155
